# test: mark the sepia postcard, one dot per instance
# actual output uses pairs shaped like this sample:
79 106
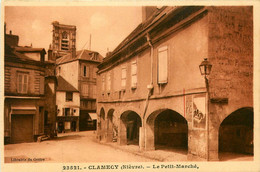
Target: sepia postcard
130 86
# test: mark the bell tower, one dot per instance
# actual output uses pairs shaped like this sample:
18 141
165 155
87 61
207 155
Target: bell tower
63 40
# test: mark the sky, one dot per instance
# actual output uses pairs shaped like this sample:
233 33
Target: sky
107 25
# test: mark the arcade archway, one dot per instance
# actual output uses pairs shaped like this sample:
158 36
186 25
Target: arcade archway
236 133
167 129
130 122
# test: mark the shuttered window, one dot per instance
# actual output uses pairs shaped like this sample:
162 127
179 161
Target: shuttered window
134 74
22 82
41 84
84 89
108 82
69 96
94 72
162 65
103 83
123 77
85 71
94 90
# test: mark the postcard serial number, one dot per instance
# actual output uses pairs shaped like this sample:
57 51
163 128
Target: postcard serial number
72 167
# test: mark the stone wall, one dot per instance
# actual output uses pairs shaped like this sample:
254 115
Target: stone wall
230 50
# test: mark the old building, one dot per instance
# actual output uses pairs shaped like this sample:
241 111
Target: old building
151 92
63 40
24 102
68 102
78 70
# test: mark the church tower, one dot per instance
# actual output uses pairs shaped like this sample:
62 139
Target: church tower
63 40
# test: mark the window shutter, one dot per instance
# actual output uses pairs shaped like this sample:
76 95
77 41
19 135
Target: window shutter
87 70
25 83
103 83
20 83
95 72
85 91
42 85
134 74
108 81
162 65
94 90
123 78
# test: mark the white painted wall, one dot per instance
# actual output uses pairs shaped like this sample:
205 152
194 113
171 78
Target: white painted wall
62 103
69 71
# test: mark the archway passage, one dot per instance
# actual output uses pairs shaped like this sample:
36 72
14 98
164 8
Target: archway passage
236 133
170 131
130 128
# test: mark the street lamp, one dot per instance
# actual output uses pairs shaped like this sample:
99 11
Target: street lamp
205 69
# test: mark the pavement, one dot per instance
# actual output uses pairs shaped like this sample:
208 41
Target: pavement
68 147
83 147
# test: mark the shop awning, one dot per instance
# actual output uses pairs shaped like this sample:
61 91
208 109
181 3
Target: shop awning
93 116
23 109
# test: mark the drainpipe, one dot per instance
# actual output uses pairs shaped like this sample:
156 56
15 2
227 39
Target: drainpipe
149 87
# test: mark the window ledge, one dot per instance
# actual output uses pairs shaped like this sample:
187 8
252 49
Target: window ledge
133 87
162 83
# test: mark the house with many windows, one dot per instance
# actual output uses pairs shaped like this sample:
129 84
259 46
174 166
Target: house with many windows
151 92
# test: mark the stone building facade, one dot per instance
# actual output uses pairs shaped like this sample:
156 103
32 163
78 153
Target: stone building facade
80 72
151 92
67 101
24 99
78 69
63 40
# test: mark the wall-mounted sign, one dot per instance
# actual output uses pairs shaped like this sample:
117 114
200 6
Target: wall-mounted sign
199 112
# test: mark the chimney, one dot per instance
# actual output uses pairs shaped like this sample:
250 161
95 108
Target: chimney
148 11
50 54
10 32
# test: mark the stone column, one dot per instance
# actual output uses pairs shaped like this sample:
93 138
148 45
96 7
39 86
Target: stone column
109 131
122 133
214 135
149 137
142 138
